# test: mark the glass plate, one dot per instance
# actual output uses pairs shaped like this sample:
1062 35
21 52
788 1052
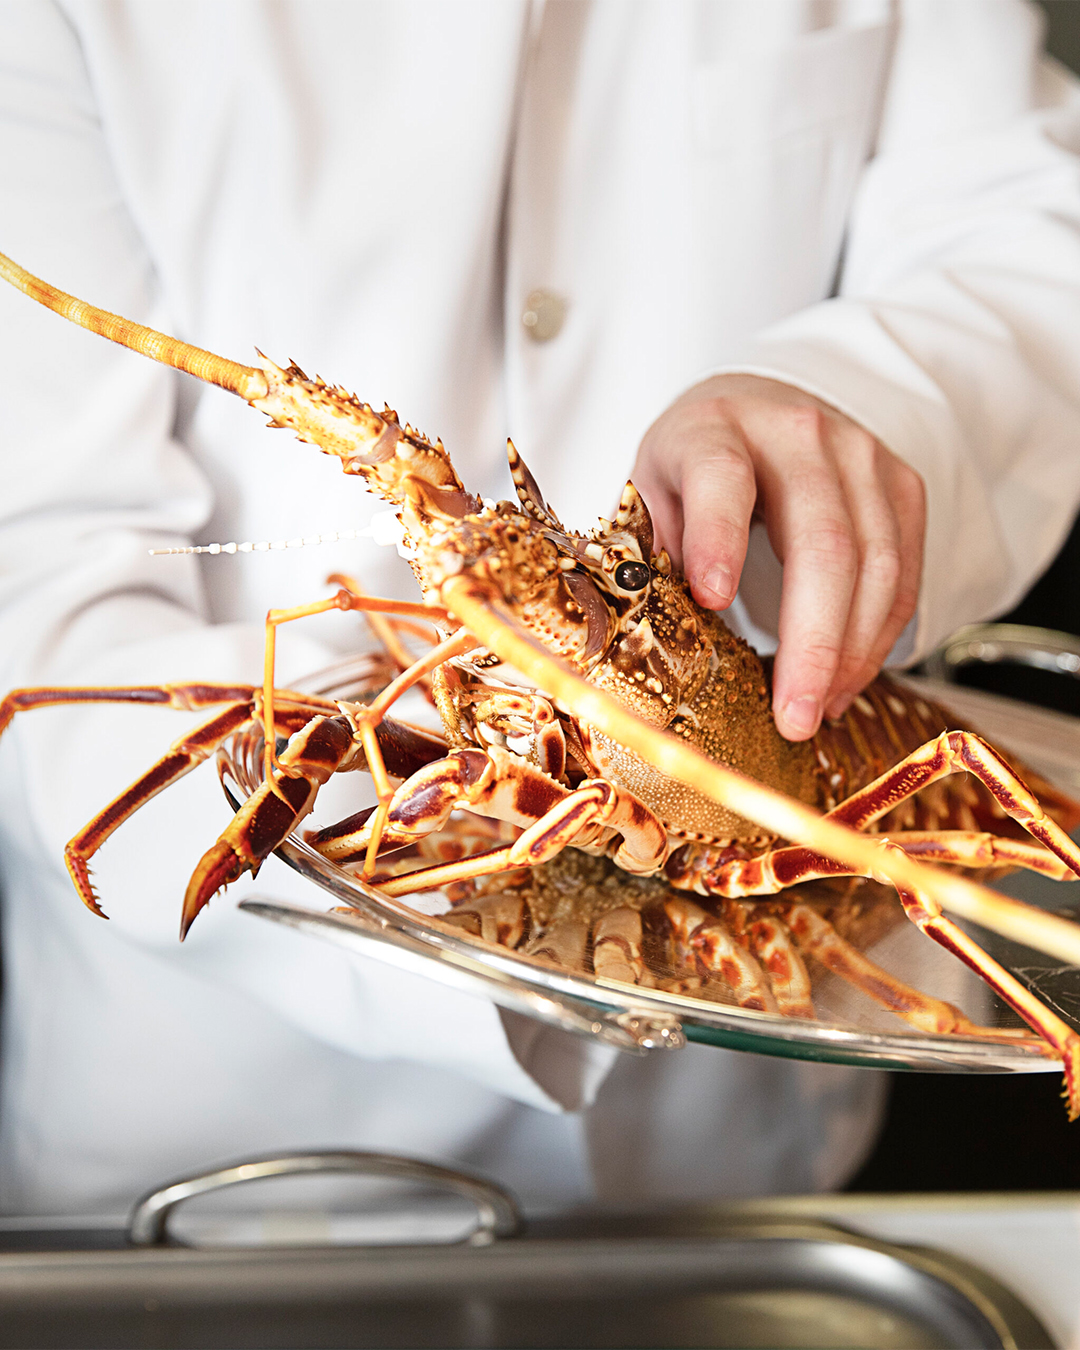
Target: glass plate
848 1028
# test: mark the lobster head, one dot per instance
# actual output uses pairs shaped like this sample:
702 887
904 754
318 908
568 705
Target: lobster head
571 592
602 601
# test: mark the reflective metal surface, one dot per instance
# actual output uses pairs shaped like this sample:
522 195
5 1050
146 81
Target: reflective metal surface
709 1280
848 1027
496 1212
634 1029
994 643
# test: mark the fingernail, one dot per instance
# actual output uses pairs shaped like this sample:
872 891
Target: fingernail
803 715
717 586
839 705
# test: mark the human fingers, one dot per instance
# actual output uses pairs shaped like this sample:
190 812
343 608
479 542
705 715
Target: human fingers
846 518
891 524
810 527
696 463
860 463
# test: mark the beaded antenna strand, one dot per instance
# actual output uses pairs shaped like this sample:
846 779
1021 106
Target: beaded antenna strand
384 528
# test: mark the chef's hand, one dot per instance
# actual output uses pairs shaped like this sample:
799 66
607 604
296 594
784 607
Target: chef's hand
843 514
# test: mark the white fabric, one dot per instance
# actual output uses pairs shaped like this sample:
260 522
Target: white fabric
373 189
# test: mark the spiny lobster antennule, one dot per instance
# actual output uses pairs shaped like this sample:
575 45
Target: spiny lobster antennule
246 381
397 464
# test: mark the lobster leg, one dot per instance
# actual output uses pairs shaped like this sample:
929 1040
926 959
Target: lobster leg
819 939
366 718
574 819
384 629
771 943
185 754
951 752
498 918
344 600
617 947
462 780
184 697
315 752
720 954
784 867
927 916
781 867
971 848
954 752
318 748
494 783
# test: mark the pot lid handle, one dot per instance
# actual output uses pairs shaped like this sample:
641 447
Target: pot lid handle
497 1214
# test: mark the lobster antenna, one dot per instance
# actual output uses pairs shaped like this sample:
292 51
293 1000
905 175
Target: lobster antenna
247 381
265 545
384 528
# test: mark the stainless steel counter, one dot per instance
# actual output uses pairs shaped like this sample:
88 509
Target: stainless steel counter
1029 1241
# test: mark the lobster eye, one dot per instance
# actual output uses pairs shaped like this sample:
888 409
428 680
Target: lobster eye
632 576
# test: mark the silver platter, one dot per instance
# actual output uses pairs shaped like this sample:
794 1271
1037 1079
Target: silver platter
849 1029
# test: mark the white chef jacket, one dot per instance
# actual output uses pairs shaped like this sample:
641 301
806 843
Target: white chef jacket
877 202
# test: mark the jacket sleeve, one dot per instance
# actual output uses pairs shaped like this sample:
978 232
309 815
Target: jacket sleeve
952 336
94 475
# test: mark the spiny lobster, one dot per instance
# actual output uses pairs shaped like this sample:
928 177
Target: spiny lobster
588 701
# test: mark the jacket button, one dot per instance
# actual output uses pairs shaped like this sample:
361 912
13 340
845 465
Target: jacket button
543 315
